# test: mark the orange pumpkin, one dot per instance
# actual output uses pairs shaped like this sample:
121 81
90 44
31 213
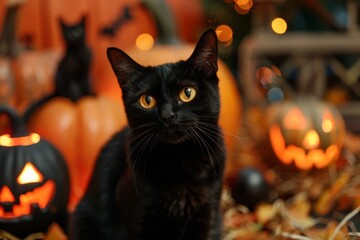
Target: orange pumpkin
78 129
306 133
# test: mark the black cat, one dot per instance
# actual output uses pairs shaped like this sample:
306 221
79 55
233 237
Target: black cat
72 76
160 178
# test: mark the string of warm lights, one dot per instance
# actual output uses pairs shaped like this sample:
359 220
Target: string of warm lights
224 32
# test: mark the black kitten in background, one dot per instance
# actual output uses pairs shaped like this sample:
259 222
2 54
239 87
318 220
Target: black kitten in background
160 178
72 76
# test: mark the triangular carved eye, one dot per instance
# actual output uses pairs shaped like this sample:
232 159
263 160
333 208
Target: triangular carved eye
328 122
295 120
6 195
29 174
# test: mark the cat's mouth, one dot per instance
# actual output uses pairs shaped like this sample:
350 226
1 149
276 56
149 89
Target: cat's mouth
174 135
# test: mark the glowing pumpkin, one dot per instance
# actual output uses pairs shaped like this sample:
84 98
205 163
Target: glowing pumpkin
34 181
307 133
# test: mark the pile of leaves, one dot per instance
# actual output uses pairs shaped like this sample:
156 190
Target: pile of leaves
305 205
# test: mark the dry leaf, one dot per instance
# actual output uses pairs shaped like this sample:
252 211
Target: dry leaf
265 212
55 233
326 201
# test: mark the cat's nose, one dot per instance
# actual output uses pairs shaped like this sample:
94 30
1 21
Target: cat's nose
167 114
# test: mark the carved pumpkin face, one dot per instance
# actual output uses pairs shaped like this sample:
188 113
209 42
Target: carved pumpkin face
307 133
34 185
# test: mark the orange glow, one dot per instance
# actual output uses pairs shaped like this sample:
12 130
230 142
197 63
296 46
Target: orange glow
276 70
264 75
144 42
40 196
244 4
29 174
317 156
278 142
6 195
240 10
328 122
7 141
279 25
311 140
332 152
224 33
296 154
287 154
35 138
295 120
241 2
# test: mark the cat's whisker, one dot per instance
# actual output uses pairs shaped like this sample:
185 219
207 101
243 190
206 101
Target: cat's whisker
140 145
203 144
198 127
137 141
234 137
155 138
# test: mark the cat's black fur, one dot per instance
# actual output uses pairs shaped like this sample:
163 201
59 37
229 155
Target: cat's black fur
72 76
160 178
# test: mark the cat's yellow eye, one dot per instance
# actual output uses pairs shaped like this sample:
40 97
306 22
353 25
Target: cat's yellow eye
187 94
147 101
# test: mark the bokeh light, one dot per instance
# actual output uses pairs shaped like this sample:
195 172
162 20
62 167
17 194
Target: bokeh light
279 25
276 70
275 94
243 6
265 76
144 42
224 33
241 2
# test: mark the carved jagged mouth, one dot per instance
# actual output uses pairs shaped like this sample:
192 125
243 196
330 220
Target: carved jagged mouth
40 197
302 159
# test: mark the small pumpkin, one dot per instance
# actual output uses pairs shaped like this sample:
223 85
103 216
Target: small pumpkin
25 75
307 133
34 180
78 129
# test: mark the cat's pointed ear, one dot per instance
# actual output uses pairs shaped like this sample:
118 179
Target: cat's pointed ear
205 55
123 65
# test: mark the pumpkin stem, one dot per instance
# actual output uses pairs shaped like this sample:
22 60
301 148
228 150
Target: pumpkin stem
164 21
17 124
9 45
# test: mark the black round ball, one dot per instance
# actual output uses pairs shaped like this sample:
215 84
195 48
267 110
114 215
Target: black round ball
250 188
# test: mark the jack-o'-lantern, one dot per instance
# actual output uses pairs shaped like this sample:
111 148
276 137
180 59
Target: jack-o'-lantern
306 133
34 181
